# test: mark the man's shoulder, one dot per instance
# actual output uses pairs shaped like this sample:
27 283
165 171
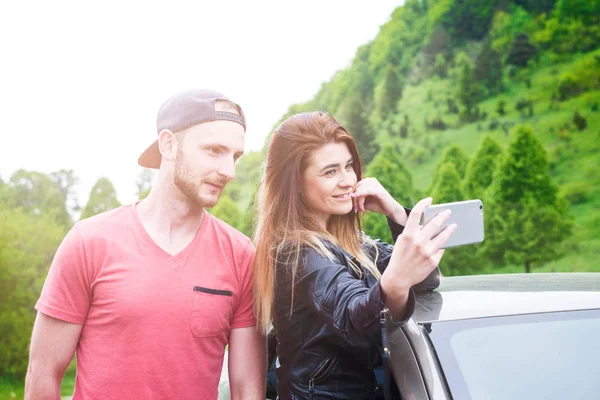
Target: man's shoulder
225 232
107 222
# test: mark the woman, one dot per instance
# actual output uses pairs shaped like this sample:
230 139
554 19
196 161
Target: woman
318 279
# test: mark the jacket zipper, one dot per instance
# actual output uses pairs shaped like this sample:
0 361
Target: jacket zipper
213 291
384 336
322 371
385 352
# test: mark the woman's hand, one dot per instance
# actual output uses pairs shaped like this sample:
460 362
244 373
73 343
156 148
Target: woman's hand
416 253
370 195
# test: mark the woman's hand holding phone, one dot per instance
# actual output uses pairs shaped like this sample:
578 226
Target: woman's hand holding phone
418 250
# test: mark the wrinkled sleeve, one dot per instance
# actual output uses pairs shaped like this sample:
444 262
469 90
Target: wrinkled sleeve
66 294
344 302
244 316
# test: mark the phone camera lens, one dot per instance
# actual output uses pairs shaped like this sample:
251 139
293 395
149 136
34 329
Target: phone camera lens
481 207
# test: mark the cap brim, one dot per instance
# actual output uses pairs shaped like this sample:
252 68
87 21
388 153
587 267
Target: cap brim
151 157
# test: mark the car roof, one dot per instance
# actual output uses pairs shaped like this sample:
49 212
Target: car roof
480 296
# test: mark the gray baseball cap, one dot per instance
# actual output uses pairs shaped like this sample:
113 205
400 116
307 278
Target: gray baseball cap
186 109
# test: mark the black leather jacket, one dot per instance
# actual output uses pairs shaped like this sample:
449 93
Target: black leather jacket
330 344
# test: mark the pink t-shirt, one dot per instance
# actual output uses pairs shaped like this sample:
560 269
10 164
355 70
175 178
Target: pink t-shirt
155 325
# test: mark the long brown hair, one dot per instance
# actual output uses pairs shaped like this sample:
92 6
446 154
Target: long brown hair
284 223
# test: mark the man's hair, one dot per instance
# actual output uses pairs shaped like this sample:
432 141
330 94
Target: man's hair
224 105
220 105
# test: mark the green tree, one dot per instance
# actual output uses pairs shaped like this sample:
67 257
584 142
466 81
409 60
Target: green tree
66 180
586 10
359 79
461 260
248 173
469 90
144 182
36 194
3 197
440 67
352 116
579 121
525 169
541 227
27 245
448 186
249 217
228 211
469 19
501 107
391 94
488 68
537 6
479 172
453 154
508 24
103 197
527 220
393 175
521 51
438 45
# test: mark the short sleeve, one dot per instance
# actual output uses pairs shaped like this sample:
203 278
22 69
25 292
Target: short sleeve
66 293
244 313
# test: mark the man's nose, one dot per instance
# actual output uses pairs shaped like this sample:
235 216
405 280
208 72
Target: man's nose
227 169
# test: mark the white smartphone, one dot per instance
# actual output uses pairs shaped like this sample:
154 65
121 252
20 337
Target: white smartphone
468 217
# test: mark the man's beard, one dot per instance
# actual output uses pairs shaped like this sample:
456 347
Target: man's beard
190 186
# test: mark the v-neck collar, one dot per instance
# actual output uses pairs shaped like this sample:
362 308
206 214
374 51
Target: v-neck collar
159 251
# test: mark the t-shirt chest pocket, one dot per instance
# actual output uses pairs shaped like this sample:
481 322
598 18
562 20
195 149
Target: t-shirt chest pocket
211 311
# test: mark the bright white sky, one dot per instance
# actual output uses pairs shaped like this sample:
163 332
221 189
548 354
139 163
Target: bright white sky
81 82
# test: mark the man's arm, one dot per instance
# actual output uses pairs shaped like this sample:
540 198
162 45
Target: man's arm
53 343
247 363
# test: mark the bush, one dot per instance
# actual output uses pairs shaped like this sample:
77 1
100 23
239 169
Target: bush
521 51
576 192
452 107
568 36
507 126
579 121
27 247
592 172
500 107
494 124
584 74
472 115
403 131
568 87
524 104
437 123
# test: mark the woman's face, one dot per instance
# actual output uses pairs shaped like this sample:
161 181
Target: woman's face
327 182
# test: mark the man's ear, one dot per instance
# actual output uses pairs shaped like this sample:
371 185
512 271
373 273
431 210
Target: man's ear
168 144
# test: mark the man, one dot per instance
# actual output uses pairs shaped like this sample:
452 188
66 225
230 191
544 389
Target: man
150 294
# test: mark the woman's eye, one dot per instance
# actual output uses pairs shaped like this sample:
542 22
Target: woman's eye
349 167
331 172
213 151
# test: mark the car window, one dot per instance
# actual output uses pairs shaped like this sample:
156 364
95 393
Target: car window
540 356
